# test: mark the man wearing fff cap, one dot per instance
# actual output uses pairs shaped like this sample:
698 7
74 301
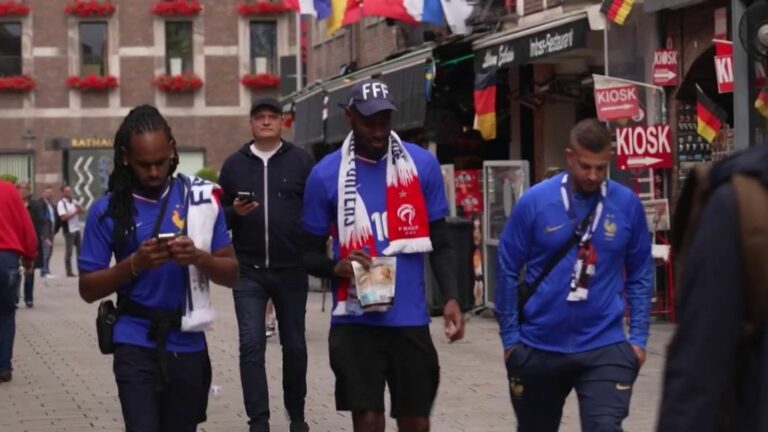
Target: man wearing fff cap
384 202
263 185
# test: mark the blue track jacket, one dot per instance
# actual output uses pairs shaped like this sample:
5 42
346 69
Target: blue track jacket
537 229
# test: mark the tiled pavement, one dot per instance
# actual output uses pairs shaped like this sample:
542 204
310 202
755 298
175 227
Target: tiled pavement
61 383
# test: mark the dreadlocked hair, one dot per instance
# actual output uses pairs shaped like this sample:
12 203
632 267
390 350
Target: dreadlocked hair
141 119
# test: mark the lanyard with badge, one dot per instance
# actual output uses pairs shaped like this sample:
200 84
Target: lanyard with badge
586 261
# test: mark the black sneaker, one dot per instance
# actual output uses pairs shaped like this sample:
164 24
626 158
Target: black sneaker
29 304
299 426
5 377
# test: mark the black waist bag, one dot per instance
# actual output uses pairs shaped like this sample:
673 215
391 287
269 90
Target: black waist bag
105 325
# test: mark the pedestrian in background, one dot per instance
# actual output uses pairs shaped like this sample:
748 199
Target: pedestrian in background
36 214
18 246
584 243
350 193
69 211
263 186
168 237
51 220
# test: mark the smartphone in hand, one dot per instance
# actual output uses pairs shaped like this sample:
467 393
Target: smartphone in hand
246 197
164 238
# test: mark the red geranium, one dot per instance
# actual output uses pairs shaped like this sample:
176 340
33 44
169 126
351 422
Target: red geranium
11 8
178 83
260 81
89 8
16 83
177 7
92 82
261 7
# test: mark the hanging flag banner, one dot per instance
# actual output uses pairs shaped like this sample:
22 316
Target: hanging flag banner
709 116
617 10
761 104
665 68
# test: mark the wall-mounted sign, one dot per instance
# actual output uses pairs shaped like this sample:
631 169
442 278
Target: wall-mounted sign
534 46
665 67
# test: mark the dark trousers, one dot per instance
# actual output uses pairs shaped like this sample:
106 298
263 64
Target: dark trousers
288 290
29 287
540 381
149 407
9 283
71 241
47 252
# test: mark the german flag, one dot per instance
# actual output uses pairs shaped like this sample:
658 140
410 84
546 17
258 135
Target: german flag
485 103
709 116
762 102
617 10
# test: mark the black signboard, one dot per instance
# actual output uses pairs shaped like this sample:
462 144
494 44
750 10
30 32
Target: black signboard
534 46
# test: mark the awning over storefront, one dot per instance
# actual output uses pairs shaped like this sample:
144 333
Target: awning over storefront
405 76
525 45
308 122
657 5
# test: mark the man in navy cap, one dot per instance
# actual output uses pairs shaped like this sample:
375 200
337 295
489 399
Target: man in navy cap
263 185
384 202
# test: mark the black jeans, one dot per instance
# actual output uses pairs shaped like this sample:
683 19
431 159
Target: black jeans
288 290
177 407
71 241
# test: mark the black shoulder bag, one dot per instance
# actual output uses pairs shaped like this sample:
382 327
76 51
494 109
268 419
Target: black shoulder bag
525 291
107 312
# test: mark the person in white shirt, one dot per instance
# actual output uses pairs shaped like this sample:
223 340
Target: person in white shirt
69 212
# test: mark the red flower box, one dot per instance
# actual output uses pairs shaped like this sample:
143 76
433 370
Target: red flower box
177 7
16 83
261 8
260 81
90 8
13 9
92 82
178 83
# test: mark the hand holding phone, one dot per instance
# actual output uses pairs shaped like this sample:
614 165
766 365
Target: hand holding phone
244 203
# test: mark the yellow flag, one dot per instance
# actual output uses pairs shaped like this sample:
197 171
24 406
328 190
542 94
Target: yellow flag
336 19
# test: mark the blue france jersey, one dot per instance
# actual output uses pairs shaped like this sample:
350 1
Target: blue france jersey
163 287
319 216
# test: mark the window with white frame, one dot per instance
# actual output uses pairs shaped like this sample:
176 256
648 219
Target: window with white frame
178 47
190 161
93 48
17 164
263 47
10 48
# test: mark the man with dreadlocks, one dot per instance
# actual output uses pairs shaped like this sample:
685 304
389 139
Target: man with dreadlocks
168 236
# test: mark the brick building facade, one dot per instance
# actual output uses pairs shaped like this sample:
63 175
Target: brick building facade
56 134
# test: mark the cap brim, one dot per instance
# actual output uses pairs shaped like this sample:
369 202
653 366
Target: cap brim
372 107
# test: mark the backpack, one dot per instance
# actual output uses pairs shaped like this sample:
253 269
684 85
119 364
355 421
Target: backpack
752 206
751 197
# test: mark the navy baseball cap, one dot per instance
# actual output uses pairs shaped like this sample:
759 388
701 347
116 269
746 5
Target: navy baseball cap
370 96
266 102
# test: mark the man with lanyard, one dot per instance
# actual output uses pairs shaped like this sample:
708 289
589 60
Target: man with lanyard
584 243
69 212
146 223
380 196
